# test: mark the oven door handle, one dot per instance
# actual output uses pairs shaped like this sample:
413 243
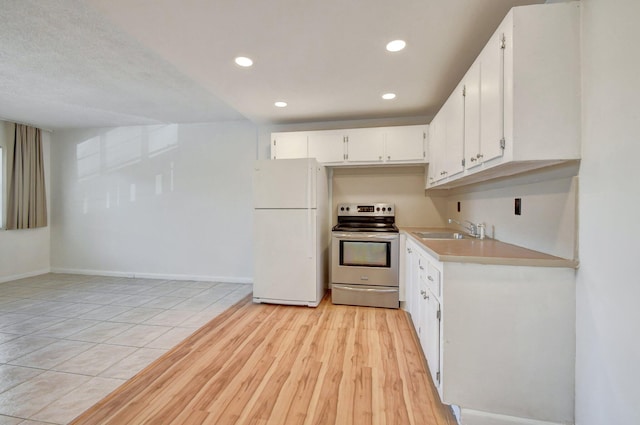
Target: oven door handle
351 288
360 236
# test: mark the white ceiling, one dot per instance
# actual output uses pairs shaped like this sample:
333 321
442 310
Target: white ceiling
97 63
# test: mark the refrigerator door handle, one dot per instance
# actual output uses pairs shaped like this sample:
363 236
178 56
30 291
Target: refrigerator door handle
310 227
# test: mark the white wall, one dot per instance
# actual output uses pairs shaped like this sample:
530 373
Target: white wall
403 186
25 252
549 202
608 286
169 201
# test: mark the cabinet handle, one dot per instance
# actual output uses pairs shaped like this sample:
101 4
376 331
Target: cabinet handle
421 268
409 250
472 159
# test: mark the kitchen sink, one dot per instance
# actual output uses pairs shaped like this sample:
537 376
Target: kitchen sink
439 235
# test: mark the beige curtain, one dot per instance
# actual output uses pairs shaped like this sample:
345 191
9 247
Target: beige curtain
26 198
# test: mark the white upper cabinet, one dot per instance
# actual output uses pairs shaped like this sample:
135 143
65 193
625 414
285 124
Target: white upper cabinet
361 146
446 144
406 143
521 97
472 116
327 146
454 133
437 146
289 145
365 145
491 63
484 105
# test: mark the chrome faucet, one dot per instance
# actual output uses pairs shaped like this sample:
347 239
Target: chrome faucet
475 230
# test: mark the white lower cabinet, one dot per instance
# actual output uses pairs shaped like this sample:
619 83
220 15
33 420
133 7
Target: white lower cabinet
423 304
499 340
430 330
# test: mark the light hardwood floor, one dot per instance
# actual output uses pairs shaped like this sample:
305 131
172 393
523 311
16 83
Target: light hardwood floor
268 364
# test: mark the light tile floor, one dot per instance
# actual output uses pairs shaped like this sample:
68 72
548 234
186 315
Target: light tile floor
66 341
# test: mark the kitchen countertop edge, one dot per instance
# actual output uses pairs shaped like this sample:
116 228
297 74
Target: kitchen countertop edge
513 255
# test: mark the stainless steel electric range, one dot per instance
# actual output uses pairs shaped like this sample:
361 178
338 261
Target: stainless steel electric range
364 258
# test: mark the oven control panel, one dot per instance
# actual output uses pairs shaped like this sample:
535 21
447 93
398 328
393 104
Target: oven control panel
367 210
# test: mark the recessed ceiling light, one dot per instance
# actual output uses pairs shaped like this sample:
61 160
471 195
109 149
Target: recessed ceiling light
280 104
389 96
396 45
243 61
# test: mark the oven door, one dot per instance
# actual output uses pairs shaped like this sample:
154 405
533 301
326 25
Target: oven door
365 258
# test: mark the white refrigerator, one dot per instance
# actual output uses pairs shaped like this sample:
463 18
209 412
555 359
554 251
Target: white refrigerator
290 231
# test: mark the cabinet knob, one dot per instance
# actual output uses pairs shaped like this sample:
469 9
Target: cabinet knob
479 156
380 158
472 159
430 278
388 157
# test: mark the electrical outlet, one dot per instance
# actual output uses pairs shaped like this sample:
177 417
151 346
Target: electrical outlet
517 206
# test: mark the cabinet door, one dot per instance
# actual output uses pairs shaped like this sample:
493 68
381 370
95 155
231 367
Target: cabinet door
454 133
433 279
436 150
408 275
289 145
472 116
365 145
422 327
492 97
431 345
415 288
327 146
405 143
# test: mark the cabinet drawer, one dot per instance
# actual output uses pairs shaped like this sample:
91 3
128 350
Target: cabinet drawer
423 267
433 279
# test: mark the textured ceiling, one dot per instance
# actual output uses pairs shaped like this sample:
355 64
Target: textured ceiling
96 63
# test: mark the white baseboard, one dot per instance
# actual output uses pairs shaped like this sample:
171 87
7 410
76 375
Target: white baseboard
199 278
24 275
476 417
